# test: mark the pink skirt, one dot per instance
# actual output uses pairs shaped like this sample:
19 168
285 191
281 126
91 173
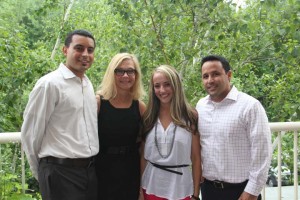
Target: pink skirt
153 197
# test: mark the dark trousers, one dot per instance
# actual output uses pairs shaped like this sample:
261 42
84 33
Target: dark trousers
59 182
210 192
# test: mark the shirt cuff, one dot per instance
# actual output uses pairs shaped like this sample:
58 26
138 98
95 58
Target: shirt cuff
253 188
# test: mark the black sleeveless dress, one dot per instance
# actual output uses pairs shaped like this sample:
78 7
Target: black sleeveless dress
118 163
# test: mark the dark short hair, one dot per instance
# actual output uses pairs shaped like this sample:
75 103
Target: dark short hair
224 62
81 32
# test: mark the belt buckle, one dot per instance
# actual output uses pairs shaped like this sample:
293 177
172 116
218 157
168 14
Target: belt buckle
218 184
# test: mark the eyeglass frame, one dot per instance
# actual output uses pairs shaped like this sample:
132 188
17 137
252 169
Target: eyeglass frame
129 72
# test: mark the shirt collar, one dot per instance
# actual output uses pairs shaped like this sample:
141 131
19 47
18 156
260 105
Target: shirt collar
66 72
233 94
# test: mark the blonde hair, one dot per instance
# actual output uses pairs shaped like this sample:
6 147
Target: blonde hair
181 111
107 88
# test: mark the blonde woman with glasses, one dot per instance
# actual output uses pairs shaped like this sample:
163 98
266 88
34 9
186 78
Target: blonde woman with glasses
119 115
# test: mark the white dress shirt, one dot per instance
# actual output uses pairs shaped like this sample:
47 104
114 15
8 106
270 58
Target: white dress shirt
235 140
60 118
163 183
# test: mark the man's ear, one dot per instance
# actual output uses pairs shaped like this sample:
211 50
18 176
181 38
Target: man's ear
65 50
229 75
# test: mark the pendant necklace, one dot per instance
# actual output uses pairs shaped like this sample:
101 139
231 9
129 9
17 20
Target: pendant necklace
157 146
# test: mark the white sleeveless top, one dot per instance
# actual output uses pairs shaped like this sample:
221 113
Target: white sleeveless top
162 183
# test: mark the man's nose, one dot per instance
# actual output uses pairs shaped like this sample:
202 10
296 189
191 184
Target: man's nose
85 52
210 79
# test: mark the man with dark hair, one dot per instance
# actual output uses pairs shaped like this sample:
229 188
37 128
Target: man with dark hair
81 32
59 132
235 137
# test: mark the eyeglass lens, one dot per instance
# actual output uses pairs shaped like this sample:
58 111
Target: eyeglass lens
121 72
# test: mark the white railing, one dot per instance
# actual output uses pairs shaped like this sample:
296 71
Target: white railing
279 128
9 138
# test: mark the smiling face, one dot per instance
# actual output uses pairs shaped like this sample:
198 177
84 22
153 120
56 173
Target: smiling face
162 88
127 80
215 80
79 54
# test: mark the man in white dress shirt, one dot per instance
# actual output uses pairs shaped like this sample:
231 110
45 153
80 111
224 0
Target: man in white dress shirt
59 132
235 137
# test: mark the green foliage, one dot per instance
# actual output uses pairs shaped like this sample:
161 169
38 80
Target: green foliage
11 188
10 175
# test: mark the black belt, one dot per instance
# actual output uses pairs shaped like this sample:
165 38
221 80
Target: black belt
119 150
70 162
167 167
225 185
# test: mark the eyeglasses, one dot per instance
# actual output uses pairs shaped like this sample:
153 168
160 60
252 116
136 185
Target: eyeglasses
121 72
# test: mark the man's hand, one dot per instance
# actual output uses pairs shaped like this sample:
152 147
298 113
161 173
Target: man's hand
247 196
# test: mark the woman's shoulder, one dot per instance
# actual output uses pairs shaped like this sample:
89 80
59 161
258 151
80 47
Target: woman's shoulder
142 106
100 100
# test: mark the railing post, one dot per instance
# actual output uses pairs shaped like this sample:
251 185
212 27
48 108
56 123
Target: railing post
23 169
0 159
279 164
295 165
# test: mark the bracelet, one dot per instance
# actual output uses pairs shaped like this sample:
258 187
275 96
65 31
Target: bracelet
194 197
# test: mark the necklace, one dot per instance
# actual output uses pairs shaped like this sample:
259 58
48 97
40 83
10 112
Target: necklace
157 146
